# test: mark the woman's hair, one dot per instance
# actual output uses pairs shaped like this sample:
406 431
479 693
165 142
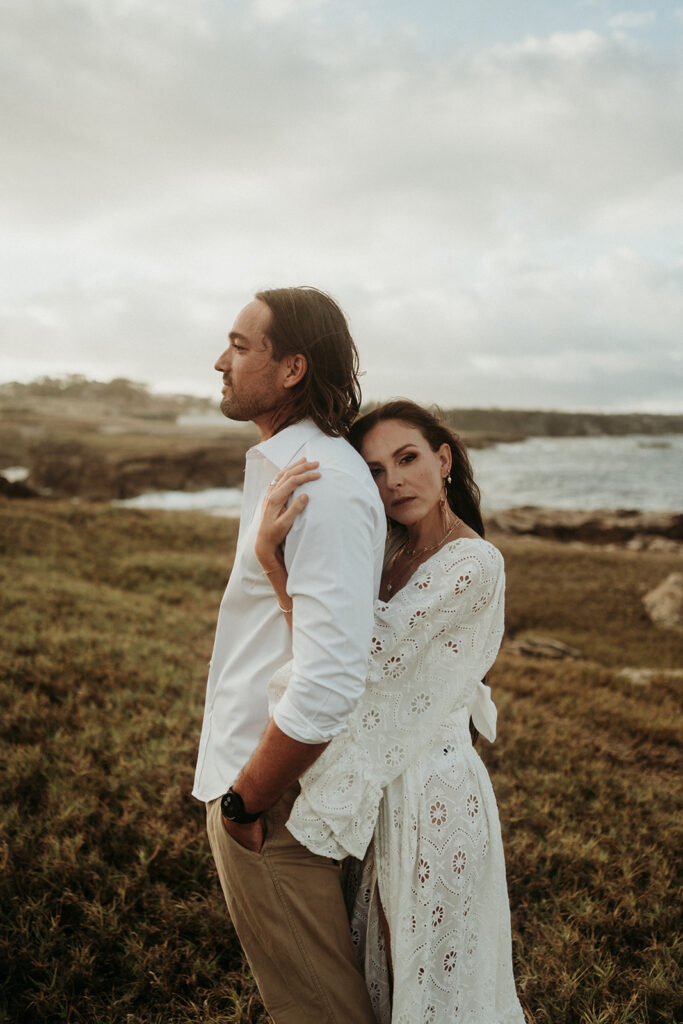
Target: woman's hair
462 492
306 321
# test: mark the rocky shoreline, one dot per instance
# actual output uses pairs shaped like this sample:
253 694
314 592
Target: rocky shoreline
95 442
637 531
206 468
107 441
72 470
125 466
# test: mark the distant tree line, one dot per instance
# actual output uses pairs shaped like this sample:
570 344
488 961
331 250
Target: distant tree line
538 423
130 395
75 385
119 392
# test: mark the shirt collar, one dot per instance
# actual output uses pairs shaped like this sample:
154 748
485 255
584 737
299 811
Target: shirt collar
281 448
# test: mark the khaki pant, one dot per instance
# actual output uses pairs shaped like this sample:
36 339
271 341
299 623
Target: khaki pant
287 908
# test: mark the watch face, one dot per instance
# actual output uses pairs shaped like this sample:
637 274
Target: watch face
231 806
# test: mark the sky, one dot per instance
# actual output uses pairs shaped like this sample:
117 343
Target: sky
493 191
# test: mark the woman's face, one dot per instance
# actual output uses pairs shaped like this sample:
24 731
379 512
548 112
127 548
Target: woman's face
407 472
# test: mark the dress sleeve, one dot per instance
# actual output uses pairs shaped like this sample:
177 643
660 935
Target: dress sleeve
431 645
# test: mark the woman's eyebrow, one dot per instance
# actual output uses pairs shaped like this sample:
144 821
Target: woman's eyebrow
374 462
403 448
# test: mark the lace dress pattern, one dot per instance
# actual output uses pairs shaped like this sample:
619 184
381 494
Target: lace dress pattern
403 790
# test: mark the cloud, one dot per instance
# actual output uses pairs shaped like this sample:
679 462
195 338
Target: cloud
539 336
559 45
632 19
167 159
529 335
113 111
149 330
269 11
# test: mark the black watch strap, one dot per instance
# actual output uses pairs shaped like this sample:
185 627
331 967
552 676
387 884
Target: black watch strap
232 808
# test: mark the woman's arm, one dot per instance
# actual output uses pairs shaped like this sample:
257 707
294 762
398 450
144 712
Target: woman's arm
276 522
432 644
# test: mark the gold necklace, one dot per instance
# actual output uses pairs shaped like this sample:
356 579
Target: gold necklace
412 554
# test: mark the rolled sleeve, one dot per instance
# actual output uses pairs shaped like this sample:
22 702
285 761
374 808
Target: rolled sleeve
332 555
323 715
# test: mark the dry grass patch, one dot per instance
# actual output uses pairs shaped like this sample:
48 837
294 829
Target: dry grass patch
109 904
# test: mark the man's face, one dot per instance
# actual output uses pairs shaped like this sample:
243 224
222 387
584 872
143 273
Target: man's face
252 378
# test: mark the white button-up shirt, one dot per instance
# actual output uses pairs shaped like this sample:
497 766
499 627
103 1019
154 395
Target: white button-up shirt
333 555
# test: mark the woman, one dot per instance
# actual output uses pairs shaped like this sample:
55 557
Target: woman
402 788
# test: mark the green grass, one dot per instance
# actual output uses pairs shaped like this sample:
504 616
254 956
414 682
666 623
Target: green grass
110 908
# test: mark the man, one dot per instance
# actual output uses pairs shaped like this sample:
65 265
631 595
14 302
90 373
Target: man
291 368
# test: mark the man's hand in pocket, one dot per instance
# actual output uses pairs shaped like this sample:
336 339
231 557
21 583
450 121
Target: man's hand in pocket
249 836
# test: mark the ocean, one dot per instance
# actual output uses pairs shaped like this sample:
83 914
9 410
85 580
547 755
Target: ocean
643 473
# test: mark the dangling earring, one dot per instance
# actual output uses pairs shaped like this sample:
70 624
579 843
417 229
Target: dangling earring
444 507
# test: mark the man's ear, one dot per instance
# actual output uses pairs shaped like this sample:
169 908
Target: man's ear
295 370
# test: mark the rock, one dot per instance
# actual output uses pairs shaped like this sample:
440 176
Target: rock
604 526
646 542
664 604
16 489
71 469
540 647
644 676
636 676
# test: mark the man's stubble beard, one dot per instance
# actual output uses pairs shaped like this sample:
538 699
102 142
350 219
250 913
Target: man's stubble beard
248 409
256 398
231 410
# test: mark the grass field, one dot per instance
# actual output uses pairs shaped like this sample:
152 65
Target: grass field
110 907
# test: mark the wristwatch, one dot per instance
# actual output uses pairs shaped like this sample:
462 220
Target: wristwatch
232 808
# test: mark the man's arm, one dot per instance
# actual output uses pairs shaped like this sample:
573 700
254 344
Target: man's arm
331 555
277 762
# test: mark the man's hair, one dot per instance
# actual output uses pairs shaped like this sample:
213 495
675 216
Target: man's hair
306 321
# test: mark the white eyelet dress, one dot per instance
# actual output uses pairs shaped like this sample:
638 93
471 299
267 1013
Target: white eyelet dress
403 790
